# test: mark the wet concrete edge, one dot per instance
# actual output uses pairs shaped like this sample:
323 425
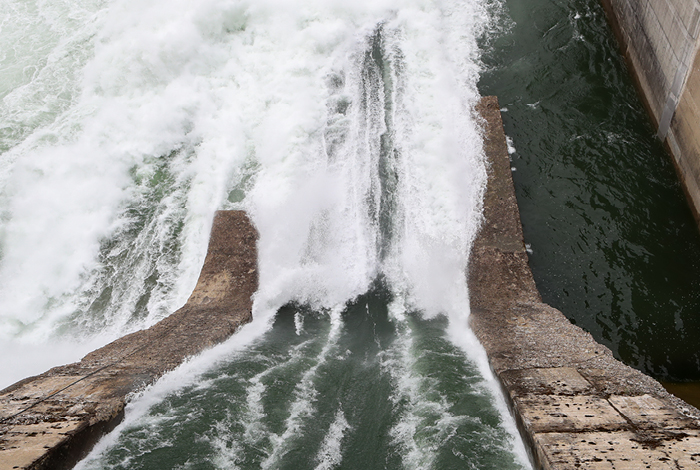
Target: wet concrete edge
575 404
52 420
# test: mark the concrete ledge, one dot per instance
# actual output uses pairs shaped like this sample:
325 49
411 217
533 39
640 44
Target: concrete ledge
576 405
52 420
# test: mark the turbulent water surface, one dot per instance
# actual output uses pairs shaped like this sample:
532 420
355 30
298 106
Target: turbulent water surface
346 130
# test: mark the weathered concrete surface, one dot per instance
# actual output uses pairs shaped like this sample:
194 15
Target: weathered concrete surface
52 420
576 405
660 40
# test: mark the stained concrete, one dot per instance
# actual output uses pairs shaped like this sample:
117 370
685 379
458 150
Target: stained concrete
52 420
576 405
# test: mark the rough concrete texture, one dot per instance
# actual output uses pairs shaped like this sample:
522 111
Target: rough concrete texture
683 138
576 405
660 40
52 420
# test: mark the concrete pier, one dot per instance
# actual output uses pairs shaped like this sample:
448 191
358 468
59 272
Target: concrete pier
52 420
576 405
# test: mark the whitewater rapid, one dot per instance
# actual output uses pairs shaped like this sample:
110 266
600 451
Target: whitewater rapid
346 131
131 126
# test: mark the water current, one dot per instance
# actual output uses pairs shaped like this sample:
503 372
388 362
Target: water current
346 130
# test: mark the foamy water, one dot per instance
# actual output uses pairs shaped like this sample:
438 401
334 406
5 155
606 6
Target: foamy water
345 130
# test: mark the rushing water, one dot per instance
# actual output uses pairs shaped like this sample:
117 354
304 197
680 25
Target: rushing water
346 130
363 387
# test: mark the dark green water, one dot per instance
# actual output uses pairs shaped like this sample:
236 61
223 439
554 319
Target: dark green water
361 389
614 245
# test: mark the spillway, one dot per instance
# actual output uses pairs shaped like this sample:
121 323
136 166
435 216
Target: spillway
347 132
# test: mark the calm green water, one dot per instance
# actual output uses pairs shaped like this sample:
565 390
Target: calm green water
614 245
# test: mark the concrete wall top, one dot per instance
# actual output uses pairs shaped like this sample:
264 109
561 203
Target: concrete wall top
52 420
576 405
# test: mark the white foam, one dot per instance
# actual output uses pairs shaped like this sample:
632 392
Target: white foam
198 91
25 359
188 374
511 146
252 417
424 418
227 452
461 335
330 454
206 94
153 88
305 395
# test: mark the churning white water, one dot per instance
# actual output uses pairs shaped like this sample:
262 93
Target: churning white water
345 129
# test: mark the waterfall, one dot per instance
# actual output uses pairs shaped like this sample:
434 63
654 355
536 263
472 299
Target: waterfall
347 132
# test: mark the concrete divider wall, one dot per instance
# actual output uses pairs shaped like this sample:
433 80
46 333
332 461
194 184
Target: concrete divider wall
660 41
52 420
576 405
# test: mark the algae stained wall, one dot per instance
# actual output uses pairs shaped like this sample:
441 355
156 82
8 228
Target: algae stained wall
660 41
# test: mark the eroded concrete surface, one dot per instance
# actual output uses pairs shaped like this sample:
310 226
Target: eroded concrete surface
52 420
576 405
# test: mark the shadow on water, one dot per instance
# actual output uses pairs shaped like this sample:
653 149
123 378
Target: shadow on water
614 244
356 389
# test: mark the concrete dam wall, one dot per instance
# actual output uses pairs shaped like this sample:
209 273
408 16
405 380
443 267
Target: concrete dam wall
660 40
